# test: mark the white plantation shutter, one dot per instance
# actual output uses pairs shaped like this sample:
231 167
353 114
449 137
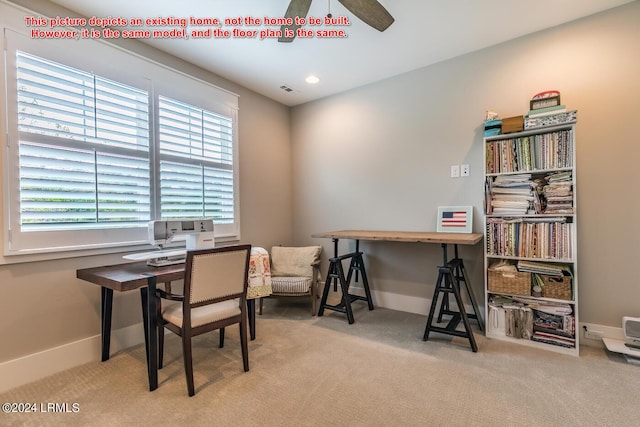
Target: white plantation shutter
65 189
98 144
83 149
196 163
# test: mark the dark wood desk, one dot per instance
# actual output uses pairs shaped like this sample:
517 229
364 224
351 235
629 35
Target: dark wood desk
138 275
127 277
450 275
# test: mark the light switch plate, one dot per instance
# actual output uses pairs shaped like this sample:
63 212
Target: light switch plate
464 170
455 171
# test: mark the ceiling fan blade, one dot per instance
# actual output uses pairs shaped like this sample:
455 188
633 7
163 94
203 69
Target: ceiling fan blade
370 12
296 8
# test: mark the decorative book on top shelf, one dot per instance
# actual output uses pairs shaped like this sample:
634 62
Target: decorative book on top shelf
531 274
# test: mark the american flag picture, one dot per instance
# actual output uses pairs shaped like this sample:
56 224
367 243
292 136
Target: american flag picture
455 219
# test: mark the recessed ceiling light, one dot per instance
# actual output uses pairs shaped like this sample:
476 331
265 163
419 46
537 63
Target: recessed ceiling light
312 79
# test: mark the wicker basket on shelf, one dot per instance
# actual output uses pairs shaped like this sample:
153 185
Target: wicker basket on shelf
507 282
556 287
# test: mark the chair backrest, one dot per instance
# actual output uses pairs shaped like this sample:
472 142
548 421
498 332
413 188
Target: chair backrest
294 261
213 275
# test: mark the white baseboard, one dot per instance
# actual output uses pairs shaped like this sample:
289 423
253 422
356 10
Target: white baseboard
410 304
35 366
593 334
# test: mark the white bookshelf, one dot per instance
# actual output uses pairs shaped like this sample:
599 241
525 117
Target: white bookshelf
535 235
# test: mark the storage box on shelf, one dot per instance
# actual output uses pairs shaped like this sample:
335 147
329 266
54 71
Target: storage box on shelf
530 208
532 122
556 287
512 124
509 282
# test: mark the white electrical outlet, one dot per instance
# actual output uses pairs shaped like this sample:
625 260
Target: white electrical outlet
455 171
464 170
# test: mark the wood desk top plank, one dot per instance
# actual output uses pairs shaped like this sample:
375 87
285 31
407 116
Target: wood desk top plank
126 277
404 236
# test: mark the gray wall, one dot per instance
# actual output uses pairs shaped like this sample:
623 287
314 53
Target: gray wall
43 305
378 157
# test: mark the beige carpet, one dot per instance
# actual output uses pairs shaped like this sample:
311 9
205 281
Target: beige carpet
322 371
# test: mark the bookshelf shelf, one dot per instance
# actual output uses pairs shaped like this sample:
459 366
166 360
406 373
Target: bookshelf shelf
521 258
531 238
530 171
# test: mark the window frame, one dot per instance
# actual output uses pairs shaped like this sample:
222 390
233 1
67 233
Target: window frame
145 74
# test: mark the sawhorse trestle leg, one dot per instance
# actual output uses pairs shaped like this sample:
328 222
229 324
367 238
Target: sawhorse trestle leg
450 277
336 274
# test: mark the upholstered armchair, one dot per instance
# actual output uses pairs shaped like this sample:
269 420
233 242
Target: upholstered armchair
295 271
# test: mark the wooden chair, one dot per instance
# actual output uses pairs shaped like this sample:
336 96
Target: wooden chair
295 272
215 292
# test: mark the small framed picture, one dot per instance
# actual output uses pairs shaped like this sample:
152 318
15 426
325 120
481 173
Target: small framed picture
455 219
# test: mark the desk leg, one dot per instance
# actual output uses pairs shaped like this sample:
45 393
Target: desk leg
335 255
149 312
461 275
251 307
445 300
144 300
105 311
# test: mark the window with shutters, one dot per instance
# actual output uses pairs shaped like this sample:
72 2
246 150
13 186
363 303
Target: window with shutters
83 149
196 162
92 160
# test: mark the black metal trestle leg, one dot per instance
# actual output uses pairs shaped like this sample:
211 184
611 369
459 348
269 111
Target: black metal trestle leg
336 273
450 277
460 276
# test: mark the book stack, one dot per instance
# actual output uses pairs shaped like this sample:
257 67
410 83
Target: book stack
543 268
546 110
511 194
558 193
541 112
556 329
540 321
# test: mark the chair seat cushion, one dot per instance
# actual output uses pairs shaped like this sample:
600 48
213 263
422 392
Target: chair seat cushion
203 315
291 285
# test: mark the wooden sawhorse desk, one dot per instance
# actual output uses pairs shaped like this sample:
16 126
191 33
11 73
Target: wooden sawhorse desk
450 276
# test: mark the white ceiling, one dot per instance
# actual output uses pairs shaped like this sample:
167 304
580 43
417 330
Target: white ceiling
424 32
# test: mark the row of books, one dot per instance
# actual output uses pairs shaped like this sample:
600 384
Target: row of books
552 150
543 238
546 322
522 194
